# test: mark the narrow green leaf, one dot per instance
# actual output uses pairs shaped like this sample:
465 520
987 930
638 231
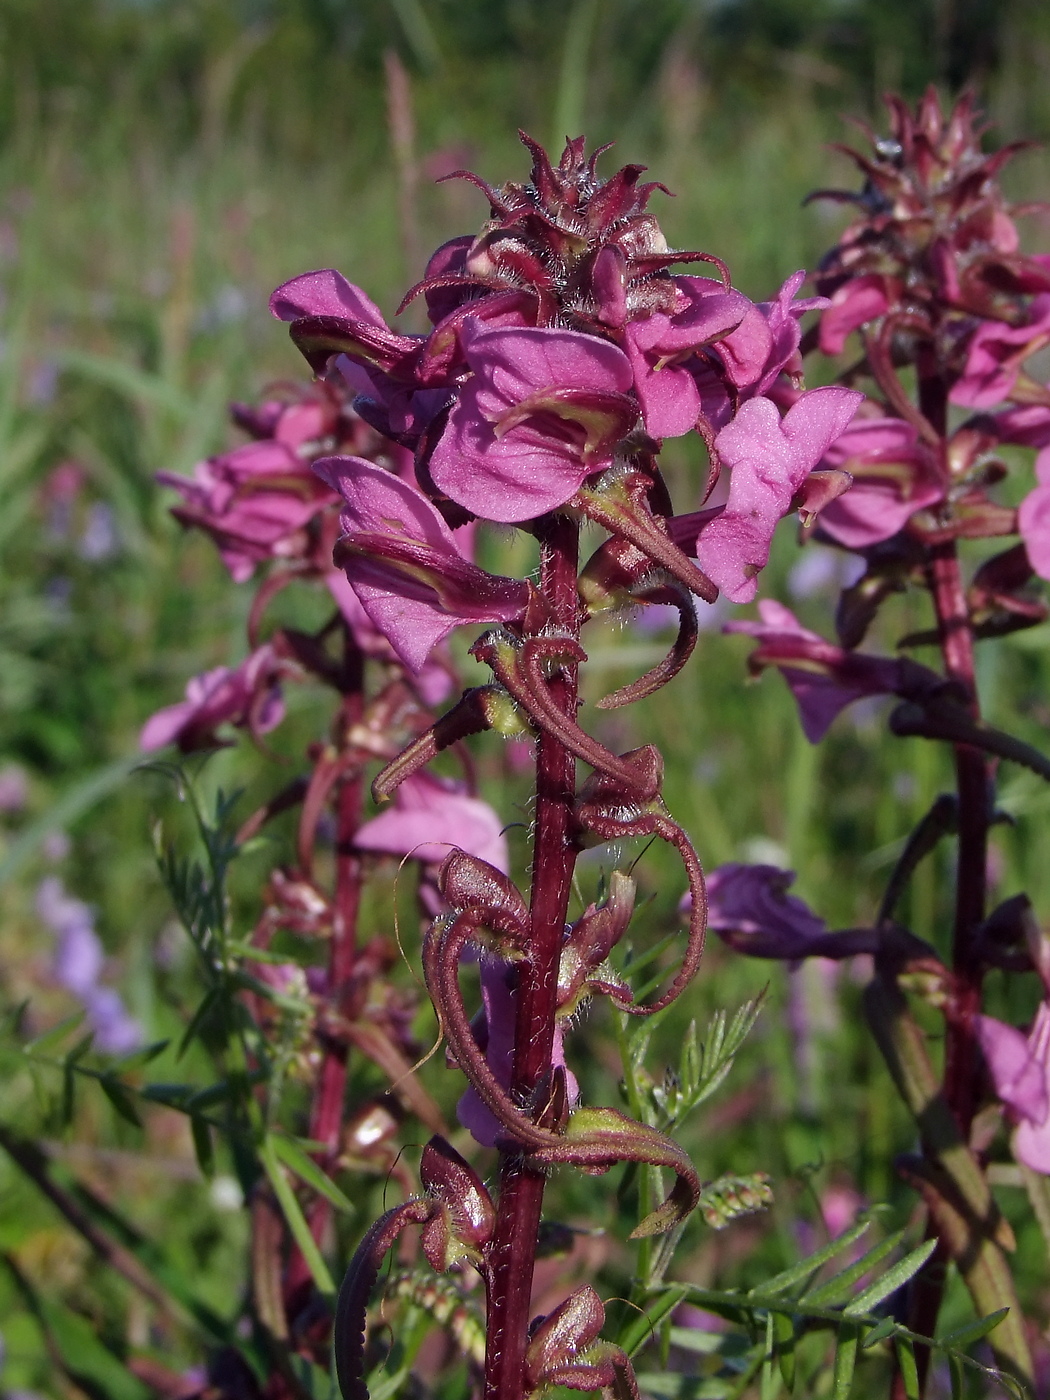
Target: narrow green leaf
973 1331
171 1095
835 1290
120 1099
138 1059
643 1324
73 803
47 1043
295 1159
908 1368
956 1378
880 1332
845 1362
769 1384
295 1218
784 1335
202 1144
803 1271
891 1280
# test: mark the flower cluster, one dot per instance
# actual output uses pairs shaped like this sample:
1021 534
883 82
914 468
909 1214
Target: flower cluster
931 279
565 346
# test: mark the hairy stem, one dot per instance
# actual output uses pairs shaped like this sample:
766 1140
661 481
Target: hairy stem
512 1254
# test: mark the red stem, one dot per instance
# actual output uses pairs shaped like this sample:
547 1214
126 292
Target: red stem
512 1253
961 1056
326 1112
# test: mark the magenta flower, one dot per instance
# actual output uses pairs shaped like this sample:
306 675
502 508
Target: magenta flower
824 678
894 476
770 458
1020 1068
334 316
255 500
767 340
247 697
431 816
996 354
855 303
405 565
543 410
1033 520
662 348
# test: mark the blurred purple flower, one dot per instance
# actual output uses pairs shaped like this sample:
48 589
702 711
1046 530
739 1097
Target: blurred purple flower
996 354
894 476
14 788
77 964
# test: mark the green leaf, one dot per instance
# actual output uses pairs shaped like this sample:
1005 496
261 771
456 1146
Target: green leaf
295 1159
831 1293
908 1368
891 1280
127 379
803 1271
784 1337
47 1043
202 1144
973 1331
73 803
886 1328
119 1097
845 1362
295 1219
644 1324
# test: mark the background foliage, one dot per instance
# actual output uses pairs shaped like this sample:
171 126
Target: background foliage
163 165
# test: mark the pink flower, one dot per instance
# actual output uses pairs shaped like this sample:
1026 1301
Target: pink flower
1020 1068
542 411
858 301
996 354
770 458
247 697
662 350
894 476
405 565
1033 521
824 678
256 499
767 339
431 816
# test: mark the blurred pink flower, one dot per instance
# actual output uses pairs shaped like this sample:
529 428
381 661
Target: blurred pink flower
858 301
543 410
1020 1068
996 354
431 816
770 459
247 697
14 788
894 476
256 499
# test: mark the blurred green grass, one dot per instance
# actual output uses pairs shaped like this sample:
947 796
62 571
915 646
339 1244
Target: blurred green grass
162 167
